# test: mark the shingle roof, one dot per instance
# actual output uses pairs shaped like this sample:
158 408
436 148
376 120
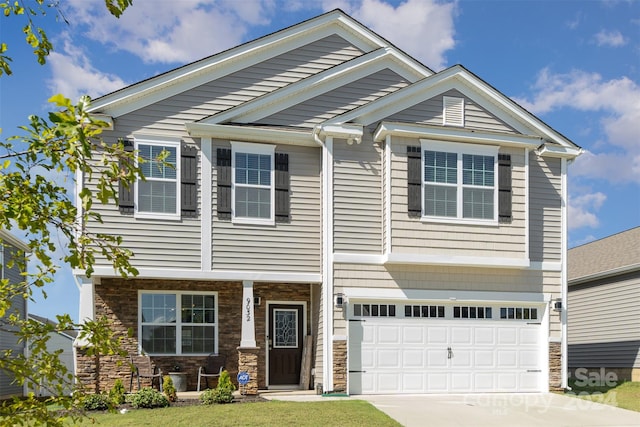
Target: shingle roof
616 252
69 332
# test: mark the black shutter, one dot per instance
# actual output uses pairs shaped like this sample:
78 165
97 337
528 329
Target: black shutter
125 191
504 188
414 193
223 168
282 207
189 181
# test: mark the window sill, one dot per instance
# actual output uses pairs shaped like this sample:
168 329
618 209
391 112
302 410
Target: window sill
253 221
461 221
149 215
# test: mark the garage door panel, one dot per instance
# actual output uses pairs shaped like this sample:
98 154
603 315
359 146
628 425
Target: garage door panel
411 355
414 359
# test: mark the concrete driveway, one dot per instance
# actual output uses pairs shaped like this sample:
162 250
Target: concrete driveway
491 410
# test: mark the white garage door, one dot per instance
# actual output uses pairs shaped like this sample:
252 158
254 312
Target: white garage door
446 354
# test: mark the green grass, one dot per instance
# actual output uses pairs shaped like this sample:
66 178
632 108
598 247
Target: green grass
343 412
625 395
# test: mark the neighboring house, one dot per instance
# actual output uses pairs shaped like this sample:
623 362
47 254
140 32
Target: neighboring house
57 341
323 183
604 296
10 248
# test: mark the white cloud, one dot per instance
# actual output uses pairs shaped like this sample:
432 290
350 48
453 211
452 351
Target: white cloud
74 76
408 25
618 103
610 38
581 210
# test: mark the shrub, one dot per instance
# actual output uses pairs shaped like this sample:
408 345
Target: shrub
96 402
223 393
117 392
148 397
169 389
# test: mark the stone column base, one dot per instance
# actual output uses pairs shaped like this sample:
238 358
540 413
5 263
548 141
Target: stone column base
339 366
248 362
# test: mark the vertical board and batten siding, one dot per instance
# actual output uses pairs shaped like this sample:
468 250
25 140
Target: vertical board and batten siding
293 247
545 209
411 235
338 101
603 322
452 278
357 197
8 340
430 112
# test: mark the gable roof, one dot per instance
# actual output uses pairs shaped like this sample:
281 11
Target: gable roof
616 254
69 333
9 238
245 55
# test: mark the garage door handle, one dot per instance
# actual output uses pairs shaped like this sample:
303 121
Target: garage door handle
449 353
534 370
357 372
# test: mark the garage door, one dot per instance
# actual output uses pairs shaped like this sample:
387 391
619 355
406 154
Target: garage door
415 348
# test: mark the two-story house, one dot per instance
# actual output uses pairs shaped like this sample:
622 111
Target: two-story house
12 251
325 184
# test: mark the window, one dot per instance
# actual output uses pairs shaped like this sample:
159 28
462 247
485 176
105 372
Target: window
519 313
466 312
253 177
459 181
163 331
374 310
158 195
424 311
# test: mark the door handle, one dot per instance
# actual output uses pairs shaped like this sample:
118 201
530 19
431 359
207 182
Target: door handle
449 353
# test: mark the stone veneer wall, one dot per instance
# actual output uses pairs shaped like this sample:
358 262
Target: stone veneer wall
117 299
555 366
339 366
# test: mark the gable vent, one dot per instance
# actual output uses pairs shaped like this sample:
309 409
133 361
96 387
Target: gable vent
453 111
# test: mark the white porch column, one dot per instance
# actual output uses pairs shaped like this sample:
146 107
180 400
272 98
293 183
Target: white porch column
248 338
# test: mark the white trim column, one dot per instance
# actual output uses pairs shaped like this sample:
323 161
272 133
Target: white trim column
248 336
327 267
563 313
206 158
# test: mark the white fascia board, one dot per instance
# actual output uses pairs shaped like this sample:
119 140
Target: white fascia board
346 130
9 238
347 258
453 134
546 266
197 73
604 274
184 274
462 261
104 118
445 295
547 150
317 85
252 134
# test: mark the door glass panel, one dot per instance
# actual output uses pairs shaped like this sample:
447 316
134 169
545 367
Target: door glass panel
285 328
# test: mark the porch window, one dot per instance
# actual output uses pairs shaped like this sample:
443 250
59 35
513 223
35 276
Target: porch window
178 322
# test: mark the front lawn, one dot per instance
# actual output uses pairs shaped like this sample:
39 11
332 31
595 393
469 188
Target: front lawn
625 395
335 412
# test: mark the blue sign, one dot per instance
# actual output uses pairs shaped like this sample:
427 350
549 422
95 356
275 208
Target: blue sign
243 378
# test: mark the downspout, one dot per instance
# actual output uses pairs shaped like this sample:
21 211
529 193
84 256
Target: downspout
327 260
563 313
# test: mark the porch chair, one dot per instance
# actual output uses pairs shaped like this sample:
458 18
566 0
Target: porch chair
141 367
213 368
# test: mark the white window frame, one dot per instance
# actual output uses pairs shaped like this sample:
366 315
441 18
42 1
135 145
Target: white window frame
178 323
460 149
159 142
259 149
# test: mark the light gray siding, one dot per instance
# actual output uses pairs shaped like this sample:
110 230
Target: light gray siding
8 340
604 324
545 207
429 112
411 235
285 247
357 197
444 278
338 101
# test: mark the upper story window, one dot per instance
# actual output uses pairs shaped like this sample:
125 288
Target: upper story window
459 182
253 179
158 195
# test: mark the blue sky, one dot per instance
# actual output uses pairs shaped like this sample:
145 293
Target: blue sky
575 64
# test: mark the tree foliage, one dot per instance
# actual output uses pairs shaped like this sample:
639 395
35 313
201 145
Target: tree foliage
36 169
